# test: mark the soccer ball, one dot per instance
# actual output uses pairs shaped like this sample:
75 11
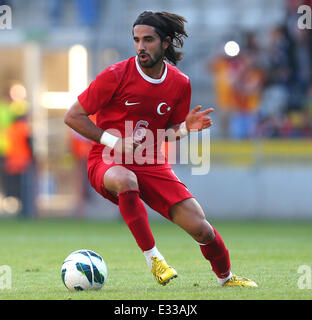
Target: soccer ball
84 270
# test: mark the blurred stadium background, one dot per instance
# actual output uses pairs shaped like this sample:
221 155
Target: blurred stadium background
247 58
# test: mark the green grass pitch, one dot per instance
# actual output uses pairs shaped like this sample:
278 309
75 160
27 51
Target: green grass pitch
268 252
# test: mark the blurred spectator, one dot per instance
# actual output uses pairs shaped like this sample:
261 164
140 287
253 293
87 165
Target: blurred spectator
278 57
16 154
18 159
300 55
222 68
247 80
238 87
248 88
275 95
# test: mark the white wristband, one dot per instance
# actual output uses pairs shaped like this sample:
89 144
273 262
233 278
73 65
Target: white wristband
182 131
108 139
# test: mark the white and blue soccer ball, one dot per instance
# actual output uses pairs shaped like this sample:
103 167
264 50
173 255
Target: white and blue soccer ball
84 270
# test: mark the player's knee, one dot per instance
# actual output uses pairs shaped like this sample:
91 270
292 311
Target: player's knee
118 179
204 233
127 181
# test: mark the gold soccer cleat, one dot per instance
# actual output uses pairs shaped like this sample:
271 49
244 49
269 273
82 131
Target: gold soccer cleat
162 272
237 281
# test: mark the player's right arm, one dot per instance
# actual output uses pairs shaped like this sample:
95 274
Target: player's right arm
77 118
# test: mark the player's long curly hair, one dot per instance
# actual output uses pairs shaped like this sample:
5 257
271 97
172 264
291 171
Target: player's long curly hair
166 25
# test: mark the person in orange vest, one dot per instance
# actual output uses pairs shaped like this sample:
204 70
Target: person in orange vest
18 155
18 158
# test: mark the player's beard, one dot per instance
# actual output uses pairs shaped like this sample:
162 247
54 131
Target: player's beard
152 61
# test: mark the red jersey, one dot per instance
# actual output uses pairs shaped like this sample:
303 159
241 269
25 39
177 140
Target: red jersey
122 94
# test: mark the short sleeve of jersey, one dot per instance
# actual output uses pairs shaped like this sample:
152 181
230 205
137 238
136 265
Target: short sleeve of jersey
183 107
100 91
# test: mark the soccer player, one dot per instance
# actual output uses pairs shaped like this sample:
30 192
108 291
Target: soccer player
151 94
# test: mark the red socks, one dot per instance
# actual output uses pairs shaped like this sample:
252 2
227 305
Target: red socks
134 213
218 255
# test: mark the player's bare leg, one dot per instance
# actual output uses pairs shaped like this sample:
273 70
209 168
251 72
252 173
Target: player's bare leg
189 215
123 184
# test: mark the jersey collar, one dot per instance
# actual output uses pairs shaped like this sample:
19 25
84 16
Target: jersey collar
146 77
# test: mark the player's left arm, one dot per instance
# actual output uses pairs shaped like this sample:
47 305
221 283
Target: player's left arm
195 120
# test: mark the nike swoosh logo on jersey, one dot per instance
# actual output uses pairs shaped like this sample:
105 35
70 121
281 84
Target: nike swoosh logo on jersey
131 103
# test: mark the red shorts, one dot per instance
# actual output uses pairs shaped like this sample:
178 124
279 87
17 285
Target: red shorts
159 187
